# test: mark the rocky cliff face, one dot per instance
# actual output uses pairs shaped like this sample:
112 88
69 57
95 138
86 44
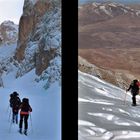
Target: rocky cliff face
8 33
39 40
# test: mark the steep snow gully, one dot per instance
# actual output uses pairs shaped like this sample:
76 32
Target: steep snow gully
45 120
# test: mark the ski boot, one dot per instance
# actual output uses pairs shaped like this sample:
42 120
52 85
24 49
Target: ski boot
20 131
25 132
134 105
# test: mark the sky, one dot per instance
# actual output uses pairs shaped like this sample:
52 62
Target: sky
11 10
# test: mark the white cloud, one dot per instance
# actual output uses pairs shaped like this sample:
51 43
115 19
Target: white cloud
11 10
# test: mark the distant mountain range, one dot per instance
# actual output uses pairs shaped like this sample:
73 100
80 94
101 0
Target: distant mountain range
109 37
118 1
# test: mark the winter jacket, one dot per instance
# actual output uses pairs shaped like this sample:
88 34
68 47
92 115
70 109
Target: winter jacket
15 103
25 109
134 88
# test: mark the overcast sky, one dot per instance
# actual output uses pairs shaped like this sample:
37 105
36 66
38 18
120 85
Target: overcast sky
11 10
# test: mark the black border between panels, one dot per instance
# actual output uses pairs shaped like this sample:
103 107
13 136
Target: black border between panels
70 69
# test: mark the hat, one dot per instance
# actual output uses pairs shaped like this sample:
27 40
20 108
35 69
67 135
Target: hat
26 100
15 93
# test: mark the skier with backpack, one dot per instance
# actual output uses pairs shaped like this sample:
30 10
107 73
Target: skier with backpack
25 109
14 104
134 87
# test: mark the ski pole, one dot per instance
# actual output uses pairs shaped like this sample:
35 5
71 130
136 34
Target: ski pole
125 98
7 108
9 115
10 126
31 122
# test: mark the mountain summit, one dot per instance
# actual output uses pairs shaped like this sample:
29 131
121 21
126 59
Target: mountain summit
8 32
97 12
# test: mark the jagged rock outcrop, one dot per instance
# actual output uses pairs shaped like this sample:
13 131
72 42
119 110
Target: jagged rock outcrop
39 41
32 13
8 32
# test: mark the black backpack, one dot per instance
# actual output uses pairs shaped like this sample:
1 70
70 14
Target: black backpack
16 102
134 85
11 99
25 105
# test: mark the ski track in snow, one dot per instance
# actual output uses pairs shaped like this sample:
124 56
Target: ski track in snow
45 121
103 114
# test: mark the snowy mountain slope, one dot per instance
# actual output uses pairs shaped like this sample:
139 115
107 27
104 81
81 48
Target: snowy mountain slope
6 60
46 104
102 113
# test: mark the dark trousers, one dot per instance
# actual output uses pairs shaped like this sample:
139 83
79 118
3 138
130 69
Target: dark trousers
134 97
25 118
15 117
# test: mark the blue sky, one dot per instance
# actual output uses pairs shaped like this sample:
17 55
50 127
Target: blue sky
11 10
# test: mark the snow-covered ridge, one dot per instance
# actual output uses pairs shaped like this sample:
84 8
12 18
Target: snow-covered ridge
112 4
112 9
95 4
8 23
103 8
